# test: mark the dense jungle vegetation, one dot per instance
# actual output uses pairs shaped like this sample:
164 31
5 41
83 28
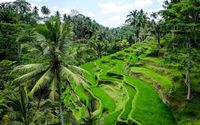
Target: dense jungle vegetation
70 70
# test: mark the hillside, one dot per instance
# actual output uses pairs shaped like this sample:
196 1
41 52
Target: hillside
131 86
112 63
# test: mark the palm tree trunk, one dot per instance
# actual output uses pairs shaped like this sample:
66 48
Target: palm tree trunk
188 67
61 111
188 85
158 38
60 102
19 50
187 77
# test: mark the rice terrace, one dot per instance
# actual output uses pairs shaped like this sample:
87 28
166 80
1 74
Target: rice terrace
133 62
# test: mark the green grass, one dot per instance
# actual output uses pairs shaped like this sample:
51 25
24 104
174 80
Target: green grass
153 60
108 102
126 98
82 94
153 77
112 118
148 108
131 93
117 93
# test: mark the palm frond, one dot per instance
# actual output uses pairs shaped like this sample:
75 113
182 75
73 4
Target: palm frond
45 103
28 68
50 27
64 31
17 122
39 36
42 104
53 94
12 100
42 30
67 74
44 80
28 76
77 69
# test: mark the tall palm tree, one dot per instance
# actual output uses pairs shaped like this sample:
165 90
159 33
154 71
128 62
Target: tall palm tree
21 6
35 10
143 19
137 19
54 74
58 13
45 10
156 27
132 19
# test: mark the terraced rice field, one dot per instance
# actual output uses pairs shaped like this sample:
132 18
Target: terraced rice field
124 90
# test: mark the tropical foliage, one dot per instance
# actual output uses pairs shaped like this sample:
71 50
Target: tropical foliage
69 69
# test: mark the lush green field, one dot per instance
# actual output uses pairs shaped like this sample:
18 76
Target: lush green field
126 88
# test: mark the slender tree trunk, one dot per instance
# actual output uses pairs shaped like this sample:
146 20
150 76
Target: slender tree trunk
158 38
60 102
188 84
38 105
138 35
135 34
188 67
61 111
19 49
173 36
135 38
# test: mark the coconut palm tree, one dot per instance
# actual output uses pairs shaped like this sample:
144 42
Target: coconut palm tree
132 19
45 10
156 27
54 75
137 19
58 13
23 111
35 10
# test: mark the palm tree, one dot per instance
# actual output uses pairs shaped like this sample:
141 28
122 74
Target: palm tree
132 20
45 10
143 20
54 74
18 107
35 10
21 6
137 19
21 110
58 13
156 27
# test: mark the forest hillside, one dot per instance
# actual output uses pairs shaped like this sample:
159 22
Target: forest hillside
67 69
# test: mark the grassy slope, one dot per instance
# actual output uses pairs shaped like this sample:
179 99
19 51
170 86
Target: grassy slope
142 105
124 99
155 77
148 108
131 93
